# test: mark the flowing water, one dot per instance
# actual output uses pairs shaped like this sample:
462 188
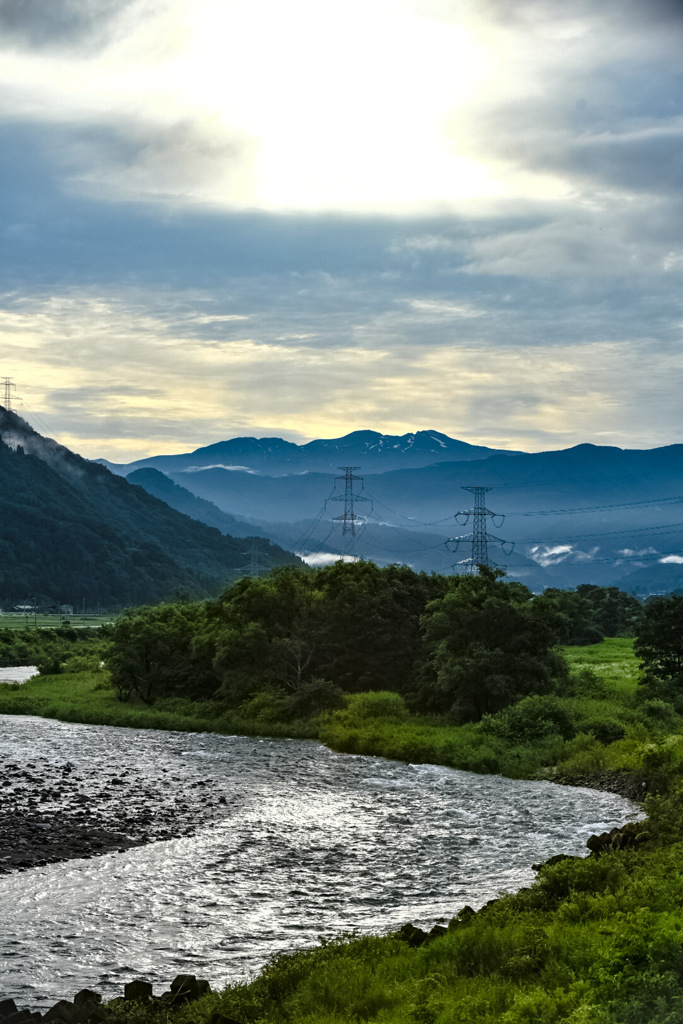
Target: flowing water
18 674
311 843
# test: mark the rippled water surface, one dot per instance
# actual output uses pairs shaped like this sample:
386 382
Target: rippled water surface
313 843
18 674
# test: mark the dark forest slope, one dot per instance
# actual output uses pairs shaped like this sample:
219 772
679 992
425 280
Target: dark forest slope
71 531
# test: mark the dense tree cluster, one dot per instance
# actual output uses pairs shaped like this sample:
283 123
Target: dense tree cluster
590 613
659 645
299 640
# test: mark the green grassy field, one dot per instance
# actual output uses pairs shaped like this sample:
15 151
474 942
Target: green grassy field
19 620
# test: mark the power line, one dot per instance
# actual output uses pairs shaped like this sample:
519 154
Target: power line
665 528
596 508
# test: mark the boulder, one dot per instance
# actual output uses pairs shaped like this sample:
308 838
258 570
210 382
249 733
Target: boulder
412 935
631 835
137 989
87 996
63 1011
186 987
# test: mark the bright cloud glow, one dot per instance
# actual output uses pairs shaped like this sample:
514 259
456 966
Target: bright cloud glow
341 105
301 219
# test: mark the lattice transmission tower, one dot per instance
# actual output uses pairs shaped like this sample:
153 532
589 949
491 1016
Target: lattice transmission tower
479 538
8 387
349 516
255 566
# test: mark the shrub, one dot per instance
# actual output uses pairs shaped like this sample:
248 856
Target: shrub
268 706
605 731
530 719
364 707
659 712
585 682
317 695
83 663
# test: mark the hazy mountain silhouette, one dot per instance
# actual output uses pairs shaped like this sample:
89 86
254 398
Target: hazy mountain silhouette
584 514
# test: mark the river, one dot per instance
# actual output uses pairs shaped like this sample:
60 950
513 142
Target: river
310 843
19 674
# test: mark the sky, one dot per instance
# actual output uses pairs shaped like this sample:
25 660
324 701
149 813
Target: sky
245 217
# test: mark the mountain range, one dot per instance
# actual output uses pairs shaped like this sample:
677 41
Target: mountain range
585 514
274 456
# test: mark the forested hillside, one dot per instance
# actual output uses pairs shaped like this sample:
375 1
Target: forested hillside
71 532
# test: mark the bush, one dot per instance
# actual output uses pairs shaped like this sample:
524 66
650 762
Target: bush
530 719
50 665
268 706
605 731
375 705
585 682
83 663
316 696
659 712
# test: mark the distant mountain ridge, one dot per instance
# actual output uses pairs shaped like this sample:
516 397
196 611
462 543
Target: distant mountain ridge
274 456
589 513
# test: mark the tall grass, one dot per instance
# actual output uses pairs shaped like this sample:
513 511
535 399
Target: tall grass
87 697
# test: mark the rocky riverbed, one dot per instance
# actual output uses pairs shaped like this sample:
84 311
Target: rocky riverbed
51 810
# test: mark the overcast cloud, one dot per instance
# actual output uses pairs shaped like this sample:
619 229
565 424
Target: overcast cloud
226 219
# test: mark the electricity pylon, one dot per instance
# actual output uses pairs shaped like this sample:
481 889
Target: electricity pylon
8 385
254 567
479 538
349 517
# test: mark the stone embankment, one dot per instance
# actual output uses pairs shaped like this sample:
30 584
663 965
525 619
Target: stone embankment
51 811
623 782
87 1007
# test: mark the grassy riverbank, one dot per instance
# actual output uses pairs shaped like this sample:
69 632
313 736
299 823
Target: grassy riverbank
88 698
598 732
594 941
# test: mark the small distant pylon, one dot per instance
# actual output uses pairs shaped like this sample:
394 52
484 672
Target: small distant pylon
349 517
479 538
254 567
8 387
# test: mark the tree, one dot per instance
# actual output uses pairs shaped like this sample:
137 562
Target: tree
161 651
659 645
485 647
